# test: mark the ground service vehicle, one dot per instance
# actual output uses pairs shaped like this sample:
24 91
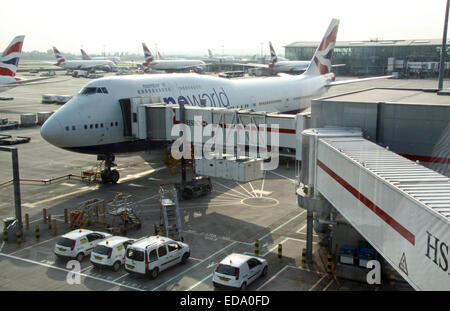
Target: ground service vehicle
151 255
198 186
78 243
239 271
111 252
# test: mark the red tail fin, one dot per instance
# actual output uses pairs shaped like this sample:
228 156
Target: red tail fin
321 61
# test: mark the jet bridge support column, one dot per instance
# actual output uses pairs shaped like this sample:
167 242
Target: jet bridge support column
183 160
309 235
318 209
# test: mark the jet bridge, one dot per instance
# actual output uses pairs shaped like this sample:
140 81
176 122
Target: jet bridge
400 207
146 119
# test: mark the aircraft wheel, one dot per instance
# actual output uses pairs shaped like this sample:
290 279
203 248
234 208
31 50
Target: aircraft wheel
106 177
114 176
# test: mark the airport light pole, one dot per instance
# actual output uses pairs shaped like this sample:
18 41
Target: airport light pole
16 181
262 52
443 50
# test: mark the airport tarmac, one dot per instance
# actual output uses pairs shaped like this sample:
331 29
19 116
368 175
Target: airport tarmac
214 225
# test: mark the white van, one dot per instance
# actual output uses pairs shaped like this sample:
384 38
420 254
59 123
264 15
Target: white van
110 253
149 256
239 271
78 243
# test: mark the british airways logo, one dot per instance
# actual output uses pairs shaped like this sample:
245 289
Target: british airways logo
214 98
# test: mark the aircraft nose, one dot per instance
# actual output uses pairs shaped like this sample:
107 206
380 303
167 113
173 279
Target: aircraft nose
52 131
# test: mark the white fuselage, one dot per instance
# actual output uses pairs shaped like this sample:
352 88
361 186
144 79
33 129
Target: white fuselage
221 59
174 64
112 58
87 64
93 123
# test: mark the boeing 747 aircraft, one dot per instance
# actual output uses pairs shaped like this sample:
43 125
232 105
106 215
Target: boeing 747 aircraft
91 122
170 65
281 65
219 59
78 64
85 56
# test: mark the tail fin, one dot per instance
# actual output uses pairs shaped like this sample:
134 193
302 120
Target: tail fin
273 56
59 58
210 53
147 55
321 61
160 56
84 54
10 57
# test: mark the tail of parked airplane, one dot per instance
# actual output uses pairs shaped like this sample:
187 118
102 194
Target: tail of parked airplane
210 53
59 58
321 61
147 55
10 57
84 55
273 56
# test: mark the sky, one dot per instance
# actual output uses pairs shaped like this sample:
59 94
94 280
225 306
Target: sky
225 27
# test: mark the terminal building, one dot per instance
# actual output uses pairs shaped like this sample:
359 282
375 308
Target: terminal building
407 58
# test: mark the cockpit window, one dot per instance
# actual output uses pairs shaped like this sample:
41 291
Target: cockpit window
88 91
93 90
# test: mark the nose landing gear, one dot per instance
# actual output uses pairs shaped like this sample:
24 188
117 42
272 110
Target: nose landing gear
108 175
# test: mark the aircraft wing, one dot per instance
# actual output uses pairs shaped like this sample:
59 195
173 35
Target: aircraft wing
339 65
48 62
252 65
26 81
282 74
357 80
32 82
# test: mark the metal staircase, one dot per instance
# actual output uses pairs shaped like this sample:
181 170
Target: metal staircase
170 220
121 208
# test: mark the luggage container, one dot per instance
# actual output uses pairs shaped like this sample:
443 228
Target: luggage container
347 254
365 255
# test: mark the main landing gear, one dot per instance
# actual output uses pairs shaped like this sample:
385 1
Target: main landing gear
108 175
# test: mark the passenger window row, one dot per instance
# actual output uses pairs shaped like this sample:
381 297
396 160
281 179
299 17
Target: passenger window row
148 91
92 126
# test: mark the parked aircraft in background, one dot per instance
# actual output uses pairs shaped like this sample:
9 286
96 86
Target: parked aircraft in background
278 65
90 65
286 66
92 121
9 62
85 56
170 65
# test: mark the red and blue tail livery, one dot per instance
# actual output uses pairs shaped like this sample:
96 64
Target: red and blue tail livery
10 57
147 55
321 63
273 56
59 58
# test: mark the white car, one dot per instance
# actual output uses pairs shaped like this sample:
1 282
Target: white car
110 253
149 256
239 271
78 243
